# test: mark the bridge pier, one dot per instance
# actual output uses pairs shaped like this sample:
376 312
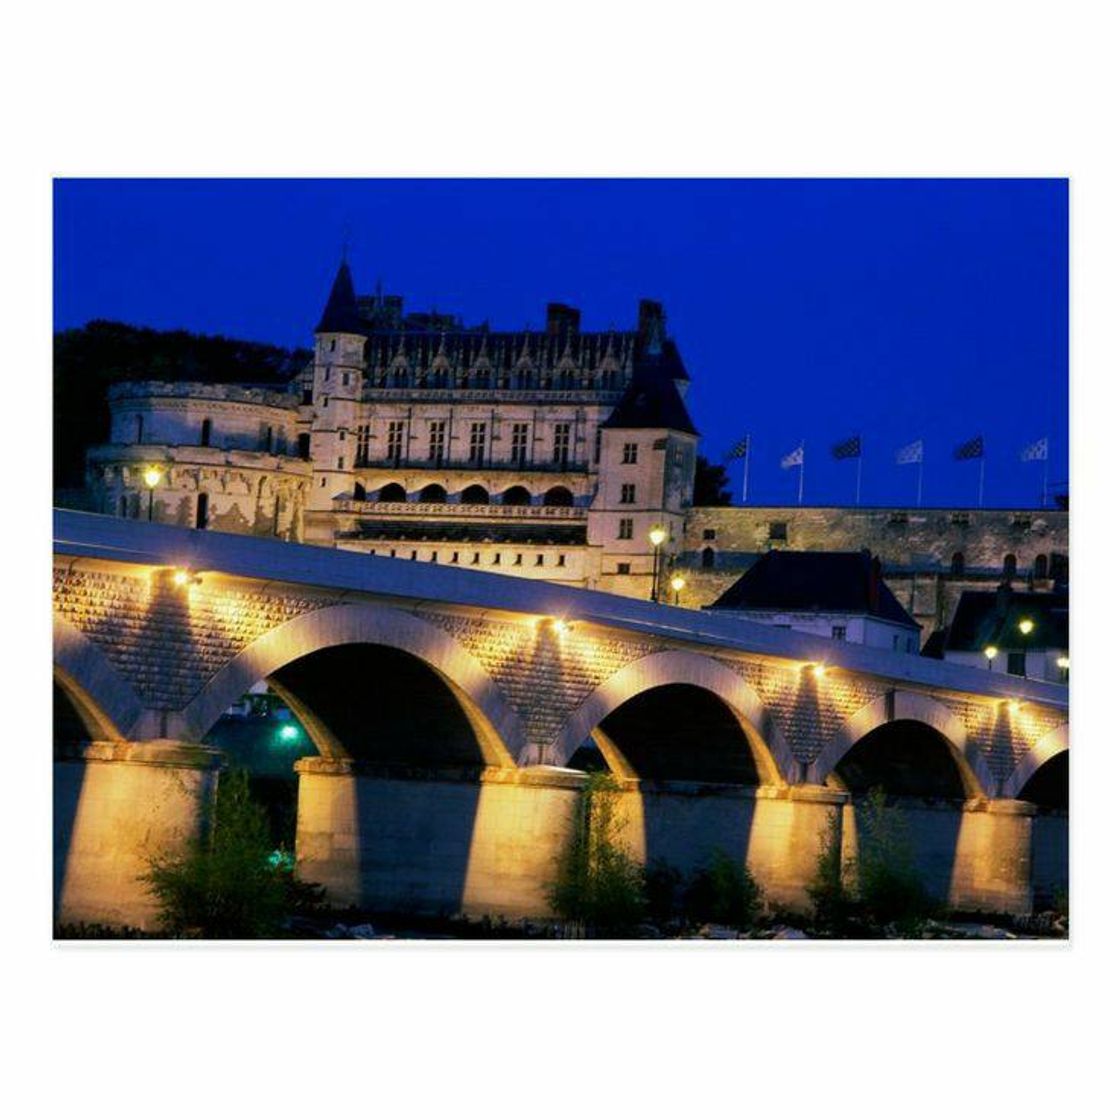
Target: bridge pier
115 805
434 841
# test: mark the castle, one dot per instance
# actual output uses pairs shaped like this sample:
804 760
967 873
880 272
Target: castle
553 454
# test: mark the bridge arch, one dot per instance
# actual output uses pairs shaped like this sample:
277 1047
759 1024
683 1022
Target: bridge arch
497 727
915 707
1049 746
771 754
106 703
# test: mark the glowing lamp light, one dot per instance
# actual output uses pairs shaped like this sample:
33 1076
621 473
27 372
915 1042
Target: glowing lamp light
819 671
1063 662
181 577
677 583
289 733
559 626
990 652
1013 705
657 536
1025 625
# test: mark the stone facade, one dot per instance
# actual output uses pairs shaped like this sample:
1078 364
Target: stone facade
929 556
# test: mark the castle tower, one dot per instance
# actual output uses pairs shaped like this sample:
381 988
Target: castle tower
340 342
648 465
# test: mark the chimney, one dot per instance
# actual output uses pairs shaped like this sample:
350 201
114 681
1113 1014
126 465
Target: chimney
562 319
651 325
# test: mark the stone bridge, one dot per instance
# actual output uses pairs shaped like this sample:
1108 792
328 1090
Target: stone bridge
447 706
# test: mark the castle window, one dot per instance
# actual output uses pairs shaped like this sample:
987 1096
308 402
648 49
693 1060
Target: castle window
598 443
476 558
623 569
433 493
266 438
325 401
396 441
454 558
413 556
626 529
306 397
779 531
478 443
707 558
437 441
840 633
956 565
345 378
516 496
202 511
1040 566
303 445
629 453
519 451
362 454
434 556
342 433
628 490
359 492
517 560
561 443
497 559
709 534
540 559
475 496
340 461
334 342
561 561
204 435
1009 566
1017 663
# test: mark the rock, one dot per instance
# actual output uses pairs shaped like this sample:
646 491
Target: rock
714 932
788 933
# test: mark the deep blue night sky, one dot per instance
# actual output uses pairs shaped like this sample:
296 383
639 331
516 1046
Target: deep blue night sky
810 309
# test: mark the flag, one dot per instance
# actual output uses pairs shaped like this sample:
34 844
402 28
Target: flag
1038 450
911 453
971 449
795 458
847 449
739 451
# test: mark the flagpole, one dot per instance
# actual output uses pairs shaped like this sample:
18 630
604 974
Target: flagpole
921 467
859 472
746 467
1045 472
801 474
980 496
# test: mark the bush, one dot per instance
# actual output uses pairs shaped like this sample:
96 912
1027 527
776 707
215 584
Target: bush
229 884
724 892
833 903
598 884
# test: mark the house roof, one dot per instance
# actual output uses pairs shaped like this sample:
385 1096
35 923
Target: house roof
985 618
849 582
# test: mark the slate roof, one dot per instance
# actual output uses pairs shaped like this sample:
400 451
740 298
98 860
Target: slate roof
652 400
341 312
984 618
848 582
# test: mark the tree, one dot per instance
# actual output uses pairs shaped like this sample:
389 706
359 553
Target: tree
712 486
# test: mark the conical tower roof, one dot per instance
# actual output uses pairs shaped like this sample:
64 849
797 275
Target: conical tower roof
341 313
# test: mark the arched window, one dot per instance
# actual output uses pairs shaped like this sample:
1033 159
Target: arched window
475 496
1040 566
558 496
956 565
708 558
202 511
433 493
359 492
1009 566
392 492
516 496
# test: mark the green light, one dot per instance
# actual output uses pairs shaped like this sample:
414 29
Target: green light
289 733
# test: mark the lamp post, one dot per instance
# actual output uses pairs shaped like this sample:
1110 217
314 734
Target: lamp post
677 584
990 652
152 478
657 537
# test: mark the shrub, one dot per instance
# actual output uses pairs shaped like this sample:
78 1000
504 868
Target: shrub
833 903
229 883
724 892
598 884
662 890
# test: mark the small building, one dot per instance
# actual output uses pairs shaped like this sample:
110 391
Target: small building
839 595
1023 633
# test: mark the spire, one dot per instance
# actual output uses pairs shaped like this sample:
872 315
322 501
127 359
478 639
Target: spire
341 313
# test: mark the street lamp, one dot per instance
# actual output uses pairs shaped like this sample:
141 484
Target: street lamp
657 537
152 478
990 652
1026 625
677 584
